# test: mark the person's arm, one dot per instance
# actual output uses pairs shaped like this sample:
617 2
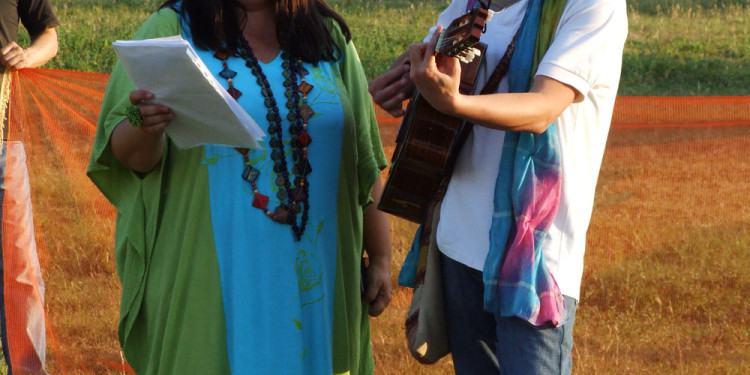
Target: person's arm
438 79
141 148
377 242
43 48
391 88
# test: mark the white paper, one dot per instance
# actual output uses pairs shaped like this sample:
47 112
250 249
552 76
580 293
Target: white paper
204 112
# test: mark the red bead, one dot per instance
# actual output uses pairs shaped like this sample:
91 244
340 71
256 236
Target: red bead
260 201
304 138
234 93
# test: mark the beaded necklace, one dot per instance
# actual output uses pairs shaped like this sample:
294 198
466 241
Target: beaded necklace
293 194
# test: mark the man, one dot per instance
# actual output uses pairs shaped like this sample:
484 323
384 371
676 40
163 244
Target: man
39 20
514 217
21 304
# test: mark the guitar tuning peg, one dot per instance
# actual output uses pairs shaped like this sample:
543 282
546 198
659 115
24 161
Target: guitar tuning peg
463 60
476 51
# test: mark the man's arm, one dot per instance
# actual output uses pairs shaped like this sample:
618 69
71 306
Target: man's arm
43 48
438 79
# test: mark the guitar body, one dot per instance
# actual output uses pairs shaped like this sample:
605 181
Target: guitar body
427 146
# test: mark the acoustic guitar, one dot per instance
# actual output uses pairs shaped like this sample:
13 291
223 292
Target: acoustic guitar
428 141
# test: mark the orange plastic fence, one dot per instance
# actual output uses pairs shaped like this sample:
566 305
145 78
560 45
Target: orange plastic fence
661 111
53 113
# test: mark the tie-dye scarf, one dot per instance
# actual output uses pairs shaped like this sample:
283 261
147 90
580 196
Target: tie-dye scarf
527 193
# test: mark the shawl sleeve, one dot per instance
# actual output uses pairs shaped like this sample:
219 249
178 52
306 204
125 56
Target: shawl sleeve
136 197
362 158
370 156
115 181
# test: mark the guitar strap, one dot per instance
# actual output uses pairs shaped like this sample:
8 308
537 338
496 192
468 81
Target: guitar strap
489 87
501 69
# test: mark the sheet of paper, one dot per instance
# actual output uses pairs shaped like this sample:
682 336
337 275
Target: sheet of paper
204 112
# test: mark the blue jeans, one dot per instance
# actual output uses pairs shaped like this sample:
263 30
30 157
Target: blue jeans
484 343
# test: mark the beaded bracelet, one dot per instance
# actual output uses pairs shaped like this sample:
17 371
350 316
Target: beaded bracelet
134 116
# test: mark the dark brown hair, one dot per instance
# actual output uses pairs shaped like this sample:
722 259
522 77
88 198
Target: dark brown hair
300 25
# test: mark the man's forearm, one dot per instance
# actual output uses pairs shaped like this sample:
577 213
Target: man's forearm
533 111
42 49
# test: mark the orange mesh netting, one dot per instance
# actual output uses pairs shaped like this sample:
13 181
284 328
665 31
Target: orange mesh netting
53 113
649 171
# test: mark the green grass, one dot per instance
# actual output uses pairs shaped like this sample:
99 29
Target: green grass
674 48
383 30
688 51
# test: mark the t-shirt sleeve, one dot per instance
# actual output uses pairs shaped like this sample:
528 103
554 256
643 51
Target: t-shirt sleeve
36 16
589 40
115 181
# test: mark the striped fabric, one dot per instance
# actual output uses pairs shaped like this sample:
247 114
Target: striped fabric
527 194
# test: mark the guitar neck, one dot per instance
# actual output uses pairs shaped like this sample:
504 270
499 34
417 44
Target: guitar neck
462 34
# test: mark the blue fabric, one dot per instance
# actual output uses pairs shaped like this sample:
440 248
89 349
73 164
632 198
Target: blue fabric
471 330
485 343
527 193
524 349
299 303
409 268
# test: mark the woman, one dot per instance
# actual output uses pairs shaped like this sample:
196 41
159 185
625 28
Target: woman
248 261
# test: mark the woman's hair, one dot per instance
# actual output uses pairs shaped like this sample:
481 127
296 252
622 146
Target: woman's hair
300 25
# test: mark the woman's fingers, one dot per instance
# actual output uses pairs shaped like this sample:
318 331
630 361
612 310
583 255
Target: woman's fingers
138 96
153 110
155 116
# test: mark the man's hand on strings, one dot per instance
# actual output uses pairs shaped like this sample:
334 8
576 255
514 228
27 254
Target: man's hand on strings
437 77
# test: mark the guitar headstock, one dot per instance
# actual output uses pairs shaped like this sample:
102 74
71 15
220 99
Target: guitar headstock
459 38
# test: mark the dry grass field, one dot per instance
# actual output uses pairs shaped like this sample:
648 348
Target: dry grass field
666 287
665 290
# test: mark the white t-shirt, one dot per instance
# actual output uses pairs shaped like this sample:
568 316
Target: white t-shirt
586 54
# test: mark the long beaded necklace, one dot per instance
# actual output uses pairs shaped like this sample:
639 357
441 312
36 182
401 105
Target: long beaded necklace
293 194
